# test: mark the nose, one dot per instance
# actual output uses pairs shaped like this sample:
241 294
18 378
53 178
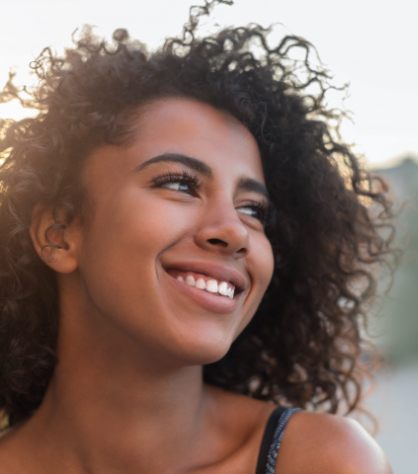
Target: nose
223 231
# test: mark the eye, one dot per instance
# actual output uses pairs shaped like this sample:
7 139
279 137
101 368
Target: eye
255 209
183 182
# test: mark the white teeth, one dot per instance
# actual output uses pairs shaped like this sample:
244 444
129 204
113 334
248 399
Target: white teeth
223 288
212 286
200 283
190 280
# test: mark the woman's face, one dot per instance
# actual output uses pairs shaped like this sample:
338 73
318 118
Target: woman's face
180 206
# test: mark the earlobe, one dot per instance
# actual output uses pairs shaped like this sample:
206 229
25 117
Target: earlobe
56 243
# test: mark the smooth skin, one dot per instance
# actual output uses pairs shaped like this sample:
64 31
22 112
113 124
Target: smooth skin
127 395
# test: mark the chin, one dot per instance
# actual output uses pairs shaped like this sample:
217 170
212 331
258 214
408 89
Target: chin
206 352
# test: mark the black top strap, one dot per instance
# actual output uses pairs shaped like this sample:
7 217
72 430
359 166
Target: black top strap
267 439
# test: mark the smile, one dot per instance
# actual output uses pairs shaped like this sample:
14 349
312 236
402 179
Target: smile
205 283
217 295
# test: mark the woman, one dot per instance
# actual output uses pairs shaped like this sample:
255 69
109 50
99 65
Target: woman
185 246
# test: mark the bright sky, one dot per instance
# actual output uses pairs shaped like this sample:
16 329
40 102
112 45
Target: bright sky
372 44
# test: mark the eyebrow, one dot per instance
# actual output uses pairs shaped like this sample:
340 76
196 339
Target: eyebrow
244 184
188 161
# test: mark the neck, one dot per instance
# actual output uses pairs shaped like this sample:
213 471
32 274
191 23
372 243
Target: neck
100 421
121 423
110 408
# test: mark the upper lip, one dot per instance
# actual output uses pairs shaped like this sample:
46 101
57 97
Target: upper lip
218 271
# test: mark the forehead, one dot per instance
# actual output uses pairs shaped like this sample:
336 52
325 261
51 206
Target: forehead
182 126
198 129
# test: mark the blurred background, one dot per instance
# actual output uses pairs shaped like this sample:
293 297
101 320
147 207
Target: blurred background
370 45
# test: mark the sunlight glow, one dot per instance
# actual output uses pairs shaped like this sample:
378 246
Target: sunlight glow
375 57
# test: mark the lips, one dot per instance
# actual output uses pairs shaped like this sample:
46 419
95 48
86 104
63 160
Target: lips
215 303
213 270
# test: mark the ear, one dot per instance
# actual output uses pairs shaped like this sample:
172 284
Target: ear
56 243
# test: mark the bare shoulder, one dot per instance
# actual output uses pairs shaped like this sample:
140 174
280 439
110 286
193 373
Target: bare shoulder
323 443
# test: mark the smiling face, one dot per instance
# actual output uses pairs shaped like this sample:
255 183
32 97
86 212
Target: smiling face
174 257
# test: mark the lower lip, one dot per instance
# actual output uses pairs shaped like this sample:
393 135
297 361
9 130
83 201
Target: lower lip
210 301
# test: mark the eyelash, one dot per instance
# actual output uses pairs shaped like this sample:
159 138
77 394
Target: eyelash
183 178
194 184
260 211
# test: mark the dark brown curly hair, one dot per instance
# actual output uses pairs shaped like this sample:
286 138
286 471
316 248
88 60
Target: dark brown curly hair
303 345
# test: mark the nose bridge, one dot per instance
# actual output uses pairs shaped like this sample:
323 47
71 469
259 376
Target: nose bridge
222 228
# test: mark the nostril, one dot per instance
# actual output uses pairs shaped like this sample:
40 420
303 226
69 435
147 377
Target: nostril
218 242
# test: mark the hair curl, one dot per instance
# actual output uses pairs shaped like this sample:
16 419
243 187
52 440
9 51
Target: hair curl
303 345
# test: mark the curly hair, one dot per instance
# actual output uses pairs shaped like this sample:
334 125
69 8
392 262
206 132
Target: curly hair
303 345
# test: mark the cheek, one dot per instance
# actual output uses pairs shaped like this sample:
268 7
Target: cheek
136 217
263 260
126 236
261 264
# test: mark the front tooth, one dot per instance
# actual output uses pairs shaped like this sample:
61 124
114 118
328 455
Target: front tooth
223 288
190 280
212 286
200 283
